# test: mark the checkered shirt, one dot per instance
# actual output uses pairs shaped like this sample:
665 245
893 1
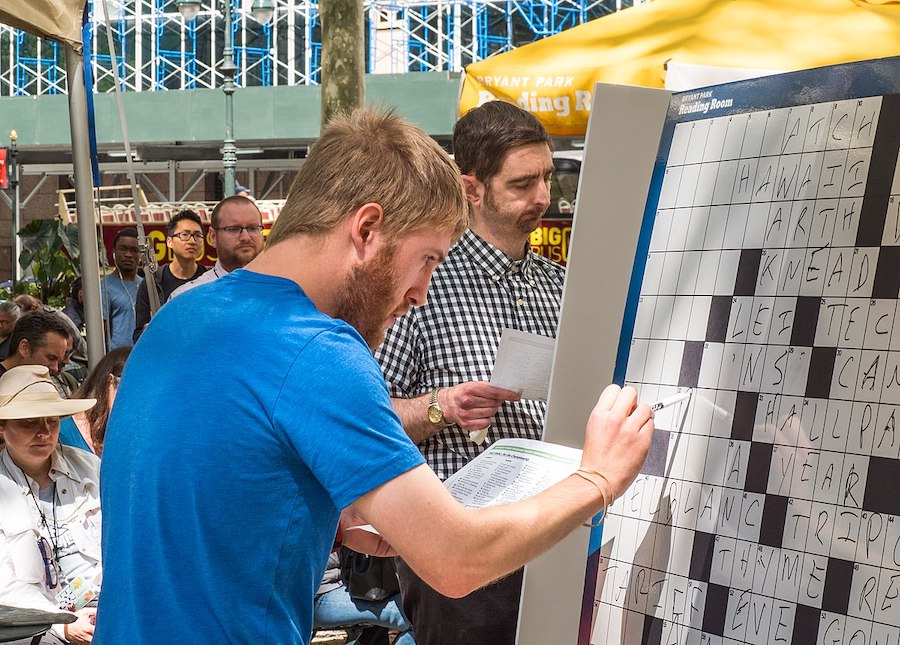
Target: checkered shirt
454 337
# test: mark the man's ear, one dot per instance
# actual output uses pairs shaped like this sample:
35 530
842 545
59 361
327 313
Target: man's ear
365 230
474 190
212 237
24 348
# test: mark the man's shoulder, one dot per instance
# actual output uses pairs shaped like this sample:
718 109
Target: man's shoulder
203 278
458 265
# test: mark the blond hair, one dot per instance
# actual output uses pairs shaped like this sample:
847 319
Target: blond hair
374 156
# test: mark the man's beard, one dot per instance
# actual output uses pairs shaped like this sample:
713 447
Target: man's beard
501 220
365 299
232 260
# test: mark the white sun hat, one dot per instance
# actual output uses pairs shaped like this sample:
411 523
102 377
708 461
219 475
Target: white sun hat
26 392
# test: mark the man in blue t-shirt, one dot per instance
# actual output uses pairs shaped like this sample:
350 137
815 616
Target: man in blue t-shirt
222 496
119 289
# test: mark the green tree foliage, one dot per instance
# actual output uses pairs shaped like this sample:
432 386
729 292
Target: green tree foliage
50 250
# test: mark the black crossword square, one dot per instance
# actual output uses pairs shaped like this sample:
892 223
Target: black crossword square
821 369
747 272
744 416
689 376
653 631
878 184
656 459
806 624
882 479
838 577
806 317
719 314
886 283
771 529
758 465
715 609
702 556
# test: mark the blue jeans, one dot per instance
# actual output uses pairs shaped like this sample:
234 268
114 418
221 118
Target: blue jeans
337 609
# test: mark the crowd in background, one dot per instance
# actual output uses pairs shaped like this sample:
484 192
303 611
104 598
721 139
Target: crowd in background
344 262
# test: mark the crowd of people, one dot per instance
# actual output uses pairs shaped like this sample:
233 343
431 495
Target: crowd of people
373 311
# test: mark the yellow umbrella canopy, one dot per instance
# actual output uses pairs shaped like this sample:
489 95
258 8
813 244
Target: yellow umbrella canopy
554 77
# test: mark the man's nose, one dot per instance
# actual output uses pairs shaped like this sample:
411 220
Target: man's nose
418 293
542 195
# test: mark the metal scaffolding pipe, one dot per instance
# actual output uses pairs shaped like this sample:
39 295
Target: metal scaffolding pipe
87 232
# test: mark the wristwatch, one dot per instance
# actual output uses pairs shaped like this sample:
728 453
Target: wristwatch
435 414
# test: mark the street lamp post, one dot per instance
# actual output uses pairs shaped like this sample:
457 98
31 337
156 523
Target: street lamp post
229 150
262 11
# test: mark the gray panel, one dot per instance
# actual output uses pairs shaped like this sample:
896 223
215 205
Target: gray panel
621 147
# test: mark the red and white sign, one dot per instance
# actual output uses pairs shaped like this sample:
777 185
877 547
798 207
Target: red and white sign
4 175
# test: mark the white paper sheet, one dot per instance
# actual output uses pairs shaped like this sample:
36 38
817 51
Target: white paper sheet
523 363
512 470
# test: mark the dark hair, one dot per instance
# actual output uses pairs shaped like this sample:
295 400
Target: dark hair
125 232
76 287
237 200
34 327
186 214
96 386
483 135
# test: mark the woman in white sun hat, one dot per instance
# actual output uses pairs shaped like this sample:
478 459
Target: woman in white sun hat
49 505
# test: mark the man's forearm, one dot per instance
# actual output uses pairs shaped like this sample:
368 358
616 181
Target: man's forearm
413 415
458 550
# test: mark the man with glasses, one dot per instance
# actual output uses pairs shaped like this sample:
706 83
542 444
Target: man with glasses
236 232
184 236
119 289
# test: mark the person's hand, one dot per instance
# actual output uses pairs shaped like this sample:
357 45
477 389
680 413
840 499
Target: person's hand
618 437
359 539
82 630
472 405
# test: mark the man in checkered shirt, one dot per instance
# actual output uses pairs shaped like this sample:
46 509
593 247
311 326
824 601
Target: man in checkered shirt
438 358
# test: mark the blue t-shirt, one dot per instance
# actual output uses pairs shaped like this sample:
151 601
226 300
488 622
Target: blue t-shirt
221 495
70 435
121 296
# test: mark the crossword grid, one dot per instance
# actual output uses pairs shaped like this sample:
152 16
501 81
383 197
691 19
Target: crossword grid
771 288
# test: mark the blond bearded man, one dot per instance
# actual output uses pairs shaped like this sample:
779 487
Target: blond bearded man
219 520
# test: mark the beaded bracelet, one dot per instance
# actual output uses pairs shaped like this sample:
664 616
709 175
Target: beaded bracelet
585 473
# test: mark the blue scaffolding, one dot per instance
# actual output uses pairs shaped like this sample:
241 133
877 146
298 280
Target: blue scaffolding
157 49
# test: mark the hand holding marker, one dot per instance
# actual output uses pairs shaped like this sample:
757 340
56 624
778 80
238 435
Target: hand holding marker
672 400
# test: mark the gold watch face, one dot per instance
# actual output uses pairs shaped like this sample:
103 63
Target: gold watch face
435 415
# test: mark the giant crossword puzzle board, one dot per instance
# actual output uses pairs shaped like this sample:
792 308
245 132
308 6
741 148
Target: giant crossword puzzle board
769 509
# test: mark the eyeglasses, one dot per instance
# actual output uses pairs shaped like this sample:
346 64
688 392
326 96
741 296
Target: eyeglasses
237 230
184 236
51 575
128 249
